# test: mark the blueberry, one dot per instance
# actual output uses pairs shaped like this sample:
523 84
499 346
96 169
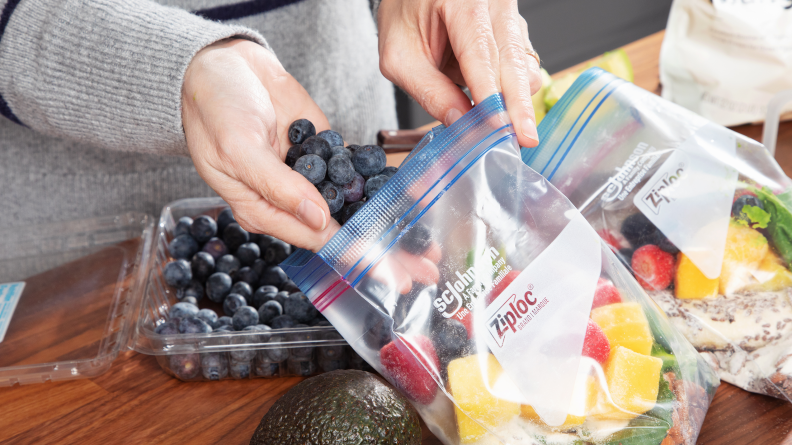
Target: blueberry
259 265
185 366
300 308
244 317
232 303
332 195
369 160
331 352
273 276
276 354
255 237
177 273
450 338
315 145
193 290
203 228
312 167
281 297
340 170
214 365
182 226
353 192
264 242
282 322
389 171
303 336
215 247
639 230
265 368
293 155
224 321
300 130
225 218
218 285
239 370
248 253
209 316
170 327
417 240
291 287
269 310
194 325
349 210
332 137
224 328
665 244
277 252
301 367
327 365
379 330
202 265
247 354
340 151
190 300
352 147
248 275
244 289
373 185
228 264
264 294
234 236
742 201
183 247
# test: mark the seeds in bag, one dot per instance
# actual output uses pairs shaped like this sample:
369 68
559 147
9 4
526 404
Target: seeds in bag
699 213
477 289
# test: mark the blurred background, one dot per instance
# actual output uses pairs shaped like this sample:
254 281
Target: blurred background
567 32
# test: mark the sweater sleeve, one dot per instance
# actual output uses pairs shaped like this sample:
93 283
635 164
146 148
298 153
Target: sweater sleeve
104 72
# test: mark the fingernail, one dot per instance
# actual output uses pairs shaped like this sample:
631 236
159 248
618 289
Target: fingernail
452 116
529 130
312 215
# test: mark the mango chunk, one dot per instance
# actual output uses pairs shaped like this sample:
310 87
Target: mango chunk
771 275
466 382
745 250
625 325
584 398
633 383
691 283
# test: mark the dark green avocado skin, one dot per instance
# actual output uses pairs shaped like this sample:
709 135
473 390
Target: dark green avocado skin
339 408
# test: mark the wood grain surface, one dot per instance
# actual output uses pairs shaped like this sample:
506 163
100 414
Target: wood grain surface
135 402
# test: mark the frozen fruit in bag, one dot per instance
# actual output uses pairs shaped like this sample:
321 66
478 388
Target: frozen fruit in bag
691 283
654 267
633 383
595 344
745 249
771 275
467 386
605 293
410 362
625 325
583 400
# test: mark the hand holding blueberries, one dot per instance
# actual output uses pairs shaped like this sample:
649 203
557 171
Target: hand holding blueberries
237 105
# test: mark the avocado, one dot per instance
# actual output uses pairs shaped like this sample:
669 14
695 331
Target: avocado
340 407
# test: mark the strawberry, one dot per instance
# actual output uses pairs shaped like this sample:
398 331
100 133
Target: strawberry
605 293
501 286
653 267
596 344
614 239
410 374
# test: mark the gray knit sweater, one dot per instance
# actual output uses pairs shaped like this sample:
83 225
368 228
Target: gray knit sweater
90 93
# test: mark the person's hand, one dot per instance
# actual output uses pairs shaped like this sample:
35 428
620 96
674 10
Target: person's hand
237 104
428 47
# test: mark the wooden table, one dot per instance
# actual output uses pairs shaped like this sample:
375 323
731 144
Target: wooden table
136 402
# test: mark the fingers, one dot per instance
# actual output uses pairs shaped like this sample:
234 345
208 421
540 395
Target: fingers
518 71
419 269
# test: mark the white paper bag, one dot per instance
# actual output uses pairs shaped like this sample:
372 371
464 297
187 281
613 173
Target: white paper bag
725 59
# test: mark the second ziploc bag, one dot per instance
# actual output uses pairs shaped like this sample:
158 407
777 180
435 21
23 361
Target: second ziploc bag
700 213
476 288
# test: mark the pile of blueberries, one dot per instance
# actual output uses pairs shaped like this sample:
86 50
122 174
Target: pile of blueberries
345 176
219 260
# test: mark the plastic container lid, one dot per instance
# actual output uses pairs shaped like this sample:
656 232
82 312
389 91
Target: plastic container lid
69 296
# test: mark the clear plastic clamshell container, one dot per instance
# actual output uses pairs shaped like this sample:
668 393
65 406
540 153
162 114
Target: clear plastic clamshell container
227 355
69 293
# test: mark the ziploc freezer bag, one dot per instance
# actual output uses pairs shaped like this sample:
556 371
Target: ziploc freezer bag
699 213
477 289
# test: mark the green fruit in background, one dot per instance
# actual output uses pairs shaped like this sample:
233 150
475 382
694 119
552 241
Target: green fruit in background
615 62
340 407
540 109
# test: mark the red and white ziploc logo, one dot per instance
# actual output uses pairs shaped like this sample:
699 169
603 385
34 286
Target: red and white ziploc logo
514 314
